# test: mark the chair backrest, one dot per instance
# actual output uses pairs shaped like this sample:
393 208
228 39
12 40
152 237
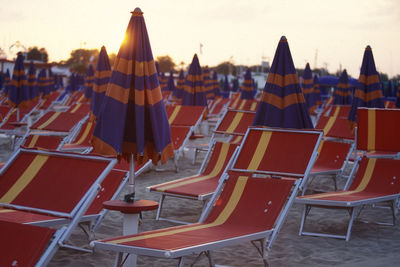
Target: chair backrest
57 121
377 175
218 105
250 204
339 111
81 108
332 154
235 122
179 135
185 115
247 104
278 151
30 174
378 129
22 244
219 158
84 135
335 127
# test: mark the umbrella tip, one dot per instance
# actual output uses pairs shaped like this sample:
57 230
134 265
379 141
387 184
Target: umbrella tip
368 47
137 12
283 38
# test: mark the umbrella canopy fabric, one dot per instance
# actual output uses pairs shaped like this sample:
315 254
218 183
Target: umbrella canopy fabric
18 94
193 92
171 84
282 102
208 83
89 79
235 85
7 82
307 86
398 97
247 89
163 81
42 83
226 89
179 86
133 120
368 92
32 82
100 82
50 81
342 93
215 84
316 95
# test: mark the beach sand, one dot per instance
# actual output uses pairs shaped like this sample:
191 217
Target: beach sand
370 244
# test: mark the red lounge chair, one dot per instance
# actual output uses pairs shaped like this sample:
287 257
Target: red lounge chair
378 132
185 115
335 128
218 106
42 142
79 108
234 123
81 142
377 180
202 185
332 159
59 123
341 111
51 184
27 245
248 209
246 104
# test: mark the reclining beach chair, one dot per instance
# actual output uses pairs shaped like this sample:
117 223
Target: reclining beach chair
200 186
335 128
42 183
81 141
390 104
247 104
27 245
58 123
338 111
378 132
332 159
234 123
377 180
185 115
218 106
81 108
180 135
42 142
248 209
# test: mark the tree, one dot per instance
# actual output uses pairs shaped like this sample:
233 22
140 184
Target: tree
34 53
81 58
226 68
111 58
384 77
166 63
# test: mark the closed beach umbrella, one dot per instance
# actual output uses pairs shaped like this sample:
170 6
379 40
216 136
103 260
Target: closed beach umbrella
282 102
342 93
215 84
101 79
208 86
316 95
18 95
226 89
307 86
193 92
42 83
7 82
133 123
32 82
163 81
170 82
235 85
50 81
398 97
89 78
179 86
247 89
368 92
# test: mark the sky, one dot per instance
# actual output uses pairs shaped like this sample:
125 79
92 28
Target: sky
325 33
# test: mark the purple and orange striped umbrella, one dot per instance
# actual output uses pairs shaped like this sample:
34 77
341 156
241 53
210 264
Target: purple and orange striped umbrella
193 91
133 123
18 94
215 84
89 79
179 86
307 86
42 83
368 92
7 82
282 102
101 79
32 82
226 90
208 86
342 93
247 89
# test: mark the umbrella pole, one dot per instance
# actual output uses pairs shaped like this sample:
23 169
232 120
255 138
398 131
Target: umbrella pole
130 197
17 113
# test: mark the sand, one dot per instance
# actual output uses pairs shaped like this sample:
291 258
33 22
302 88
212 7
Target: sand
370 244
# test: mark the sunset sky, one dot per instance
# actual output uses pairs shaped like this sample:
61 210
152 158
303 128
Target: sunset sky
242 31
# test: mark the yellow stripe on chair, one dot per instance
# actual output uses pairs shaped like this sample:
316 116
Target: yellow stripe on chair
221 219
260 150
24 179
50 120
174 114
235 122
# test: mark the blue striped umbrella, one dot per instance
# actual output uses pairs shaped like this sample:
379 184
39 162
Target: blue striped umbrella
342 93
133 123
18 94
7 82
247 89
368 92
226 90
32 82
101 79
193 92
179 86
282 102
307 86
89 79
